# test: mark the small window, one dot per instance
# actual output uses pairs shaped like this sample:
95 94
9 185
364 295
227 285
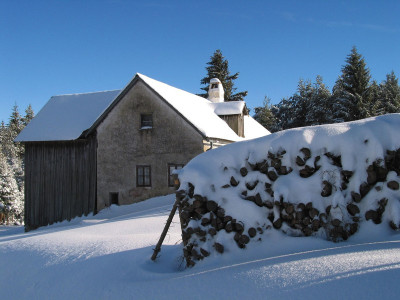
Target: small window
143 175
171 168
113 199
146 121
214 85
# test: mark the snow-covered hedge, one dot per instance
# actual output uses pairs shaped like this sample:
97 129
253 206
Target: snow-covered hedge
321 180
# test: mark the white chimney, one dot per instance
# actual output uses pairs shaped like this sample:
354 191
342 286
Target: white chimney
216 91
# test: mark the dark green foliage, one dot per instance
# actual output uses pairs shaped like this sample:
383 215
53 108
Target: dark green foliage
319 104
310 105
374 102
29 114
350 93
353 97
218 67
264 115
390 95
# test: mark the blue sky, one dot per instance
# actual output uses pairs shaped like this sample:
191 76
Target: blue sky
60 47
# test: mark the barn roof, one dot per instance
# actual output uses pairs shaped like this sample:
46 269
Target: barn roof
65 117
69 117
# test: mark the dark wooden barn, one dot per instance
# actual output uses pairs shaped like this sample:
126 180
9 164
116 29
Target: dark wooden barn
60 160
60 181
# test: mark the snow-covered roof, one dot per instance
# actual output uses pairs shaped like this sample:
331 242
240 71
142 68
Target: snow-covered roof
253 129
227 108
195 109
66 117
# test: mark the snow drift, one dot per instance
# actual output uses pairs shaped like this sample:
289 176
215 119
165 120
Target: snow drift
324 181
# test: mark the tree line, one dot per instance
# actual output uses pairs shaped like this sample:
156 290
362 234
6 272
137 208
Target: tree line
12 167
354 96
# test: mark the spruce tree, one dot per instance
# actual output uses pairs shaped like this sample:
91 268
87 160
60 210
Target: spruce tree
284 113
375 99
351 89
265 116
390 94
319 106
218 67
11 200
15 126
29 114
301 102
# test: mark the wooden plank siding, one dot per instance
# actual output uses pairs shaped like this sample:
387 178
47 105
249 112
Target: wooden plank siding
60 181
235 122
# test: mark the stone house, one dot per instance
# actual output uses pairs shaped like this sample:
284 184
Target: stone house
85 152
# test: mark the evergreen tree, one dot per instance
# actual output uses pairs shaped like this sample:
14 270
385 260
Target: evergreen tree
218 67
16 122
301 102
2 132
351 89
319 106
284 113
11 200
292 112
390 94
29 114
375 103
264 115
11 166
15 126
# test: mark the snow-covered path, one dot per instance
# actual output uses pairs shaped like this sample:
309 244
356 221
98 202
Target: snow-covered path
107 256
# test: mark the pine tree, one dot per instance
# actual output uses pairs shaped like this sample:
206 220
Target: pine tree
15 126
16 123
351 89
218 67
11 200
264 115
3 129
375 99
301 102
284 113
390 94
29 114
319 106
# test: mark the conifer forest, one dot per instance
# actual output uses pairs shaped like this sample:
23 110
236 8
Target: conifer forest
12 167
354 96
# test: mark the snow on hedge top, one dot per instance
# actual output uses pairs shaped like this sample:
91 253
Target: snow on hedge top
65 117
195 109
359 143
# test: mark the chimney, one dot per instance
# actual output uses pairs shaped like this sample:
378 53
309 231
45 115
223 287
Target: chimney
215 91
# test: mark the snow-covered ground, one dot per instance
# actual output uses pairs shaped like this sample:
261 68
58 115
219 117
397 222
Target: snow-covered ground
107 256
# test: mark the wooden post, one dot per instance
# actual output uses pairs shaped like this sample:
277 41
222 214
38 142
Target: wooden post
157 249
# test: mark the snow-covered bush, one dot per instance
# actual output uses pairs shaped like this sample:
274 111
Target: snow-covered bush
322 180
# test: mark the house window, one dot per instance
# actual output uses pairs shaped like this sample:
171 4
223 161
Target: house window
146 121
143 175
171 168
